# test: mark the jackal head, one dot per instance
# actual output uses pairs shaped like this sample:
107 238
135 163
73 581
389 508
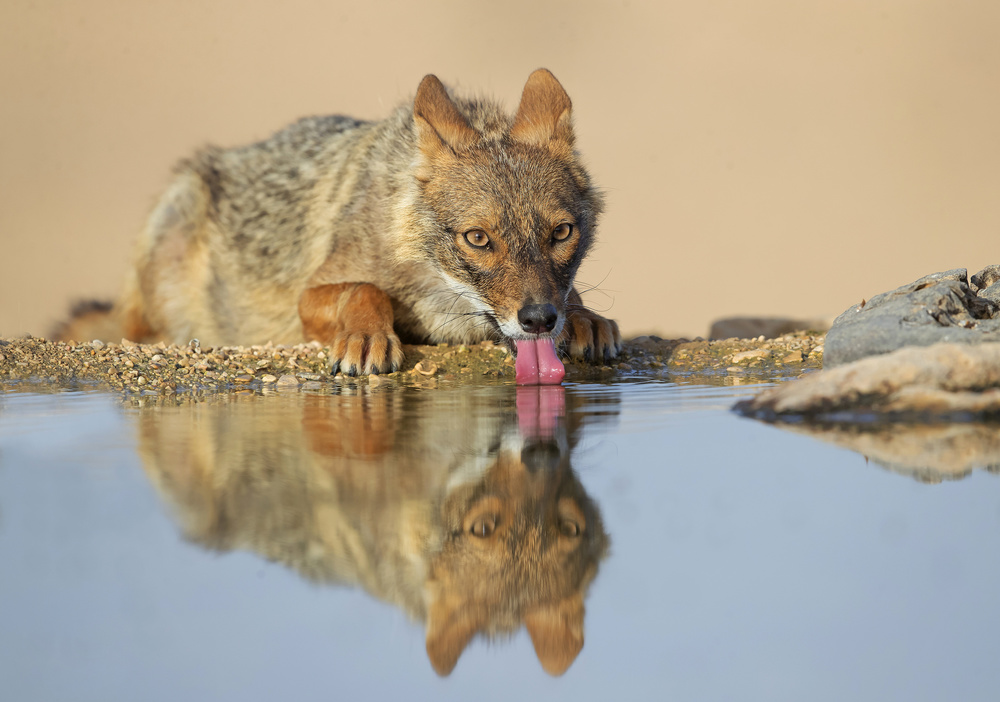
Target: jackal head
509 208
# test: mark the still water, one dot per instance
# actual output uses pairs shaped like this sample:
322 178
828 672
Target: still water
476 542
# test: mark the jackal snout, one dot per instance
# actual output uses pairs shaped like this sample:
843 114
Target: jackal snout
538 319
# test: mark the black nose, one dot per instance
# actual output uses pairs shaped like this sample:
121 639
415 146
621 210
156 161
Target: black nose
537 319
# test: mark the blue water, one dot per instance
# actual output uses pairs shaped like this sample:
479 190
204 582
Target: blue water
745 562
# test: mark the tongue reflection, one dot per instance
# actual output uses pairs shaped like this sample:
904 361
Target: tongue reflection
537 364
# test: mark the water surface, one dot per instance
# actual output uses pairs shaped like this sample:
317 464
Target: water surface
461 542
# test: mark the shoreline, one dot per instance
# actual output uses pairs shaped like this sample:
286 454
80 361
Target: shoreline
165 369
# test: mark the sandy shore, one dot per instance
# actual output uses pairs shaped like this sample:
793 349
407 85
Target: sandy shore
169 369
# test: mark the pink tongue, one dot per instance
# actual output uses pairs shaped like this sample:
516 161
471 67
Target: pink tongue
537 364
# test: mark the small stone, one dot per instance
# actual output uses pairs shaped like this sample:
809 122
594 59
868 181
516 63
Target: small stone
287 380
794 357
243 378
426 367
375 381
750 355
310 376
268 378
97 344
141 380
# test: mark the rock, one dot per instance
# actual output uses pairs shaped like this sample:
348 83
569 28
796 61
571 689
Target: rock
985 278
268 378
767 327
936 308
750 355
426 367
288 380
991 293
943 381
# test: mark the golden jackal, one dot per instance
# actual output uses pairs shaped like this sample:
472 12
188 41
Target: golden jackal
449 221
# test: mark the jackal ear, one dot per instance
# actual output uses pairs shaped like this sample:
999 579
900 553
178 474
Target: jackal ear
544 112
557 633
439 123
451 624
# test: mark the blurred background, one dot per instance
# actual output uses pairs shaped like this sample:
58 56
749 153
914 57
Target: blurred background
775 157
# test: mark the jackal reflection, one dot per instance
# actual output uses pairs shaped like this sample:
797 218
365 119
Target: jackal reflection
460 507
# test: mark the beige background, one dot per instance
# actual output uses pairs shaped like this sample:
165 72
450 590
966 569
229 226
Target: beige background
783 157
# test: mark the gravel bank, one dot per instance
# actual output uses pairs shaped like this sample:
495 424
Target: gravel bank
167 369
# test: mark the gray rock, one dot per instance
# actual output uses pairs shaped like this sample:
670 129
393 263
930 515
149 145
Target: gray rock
936 308
985 278
991 293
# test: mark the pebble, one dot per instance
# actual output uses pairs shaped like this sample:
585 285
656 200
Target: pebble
171 368
426 367
749 355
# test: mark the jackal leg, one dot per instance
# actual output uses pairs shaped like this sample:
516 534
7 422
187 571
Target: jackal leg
355 321
587 334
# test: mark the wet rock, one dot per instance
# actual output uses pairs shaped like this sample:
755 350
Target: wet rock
936 308
944 381
767 327
288 380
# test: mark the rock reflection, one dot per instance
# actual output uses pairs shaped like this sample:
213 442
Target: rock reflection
461 508
929 453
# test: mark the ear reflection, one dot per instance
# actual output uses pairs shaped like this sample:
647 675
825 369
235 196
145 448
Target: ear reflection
461 508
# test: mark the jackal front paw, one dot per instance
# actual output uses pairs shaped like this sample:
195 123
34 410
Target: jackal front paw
590 336
365 353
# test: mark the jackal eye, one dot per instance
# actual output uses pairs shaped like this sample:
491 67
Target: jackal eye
483 527
477 238
562 232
